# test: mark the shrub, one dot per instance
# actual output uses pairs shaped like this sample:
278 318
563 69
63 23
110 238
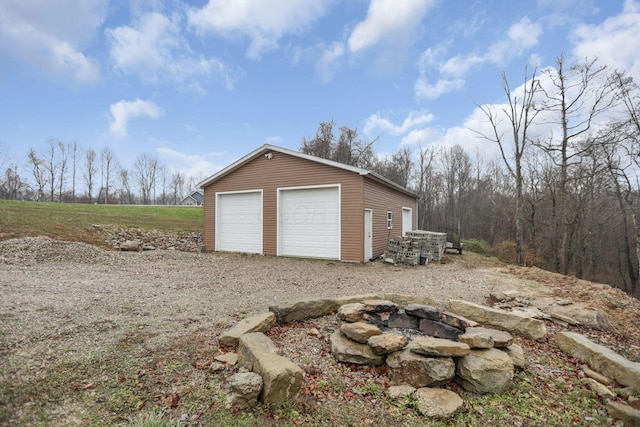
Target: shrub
505 251
478 246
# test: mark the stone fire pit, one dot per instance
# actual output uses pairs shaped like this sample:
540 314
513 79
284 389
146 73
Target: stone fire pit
422 347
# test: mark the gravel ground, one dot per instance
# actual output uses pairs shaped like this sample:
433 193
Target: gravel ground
63 297
67 304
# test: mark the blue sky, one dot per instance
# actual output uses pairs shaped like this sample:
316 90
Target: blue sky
199 84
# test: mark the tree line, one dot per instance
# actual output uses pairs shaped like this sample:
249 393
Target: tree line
66 172
562 195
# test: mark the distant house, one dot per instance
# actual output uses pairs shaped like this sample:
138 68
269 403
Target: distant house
276 201
196 198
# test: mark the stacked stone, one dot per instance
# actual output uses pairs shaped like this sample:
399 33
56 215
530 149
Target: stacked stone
481 360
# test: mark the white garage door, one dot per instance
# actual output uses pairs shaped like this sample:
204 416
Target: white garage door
309 222
239 222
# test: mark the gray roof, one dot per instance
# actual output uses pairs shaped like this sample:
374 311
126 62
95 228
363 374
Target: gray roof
267 148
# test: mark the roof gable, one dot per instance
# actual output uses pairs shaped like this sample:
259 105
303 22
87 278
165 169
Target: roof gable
267 148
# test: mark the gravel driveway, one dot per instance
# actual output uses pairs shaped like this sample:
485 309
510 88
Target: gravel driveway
71 297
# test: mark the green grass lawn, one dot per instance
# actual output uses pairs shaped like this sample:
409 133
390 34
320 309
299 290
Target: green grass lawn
74 221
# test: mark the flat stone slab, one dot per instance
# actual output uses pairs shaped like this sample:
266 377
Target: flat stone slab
354 298
303 309
407 367
379 306
500 338
349 351
351 312
251 346
400 319
387 343
477 340
500 319
258 323
398 391
437 403
599 389
228 358
430 346
457 321
600 358
438 329
576 315
282 379
360 331
404 300
626 413
423 311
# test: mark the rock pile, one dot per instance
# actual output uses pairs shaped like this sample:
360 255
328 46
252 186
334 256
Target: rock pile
140 239
374 333
33 250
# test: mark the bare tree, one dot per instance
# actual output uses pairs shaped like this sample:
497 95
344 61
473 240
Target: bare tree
322 145
620 146
177 186
126 186
90 170
39 173
62 167
146 169
575 97
74 166
456 169
349 149
12 184
51 166
109 166
426 184
519 113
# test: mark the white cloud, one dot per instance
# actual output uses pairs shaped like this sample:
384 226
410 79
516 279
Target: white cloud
419 136
460 65
521 36
376 123
155 50
388 21
264 23
123 110
45 34
194 166
327 64
425 90
613 42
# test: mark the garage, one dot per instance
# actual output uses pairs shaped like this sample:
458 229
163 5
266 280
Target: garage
239 222
279 202
309 222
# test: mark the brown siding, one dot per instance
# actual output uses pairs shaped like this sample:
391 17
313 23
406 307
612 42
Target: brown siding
283 170
381 199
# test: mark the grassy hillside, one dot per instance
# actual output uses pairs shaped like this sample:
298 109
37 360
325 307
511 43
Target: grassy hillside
71 221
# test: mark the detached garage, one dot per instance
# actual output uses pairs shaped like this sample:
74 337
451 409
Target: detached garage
276 201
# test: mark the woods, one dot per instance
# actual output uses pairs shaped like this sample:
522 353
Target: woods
562 194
